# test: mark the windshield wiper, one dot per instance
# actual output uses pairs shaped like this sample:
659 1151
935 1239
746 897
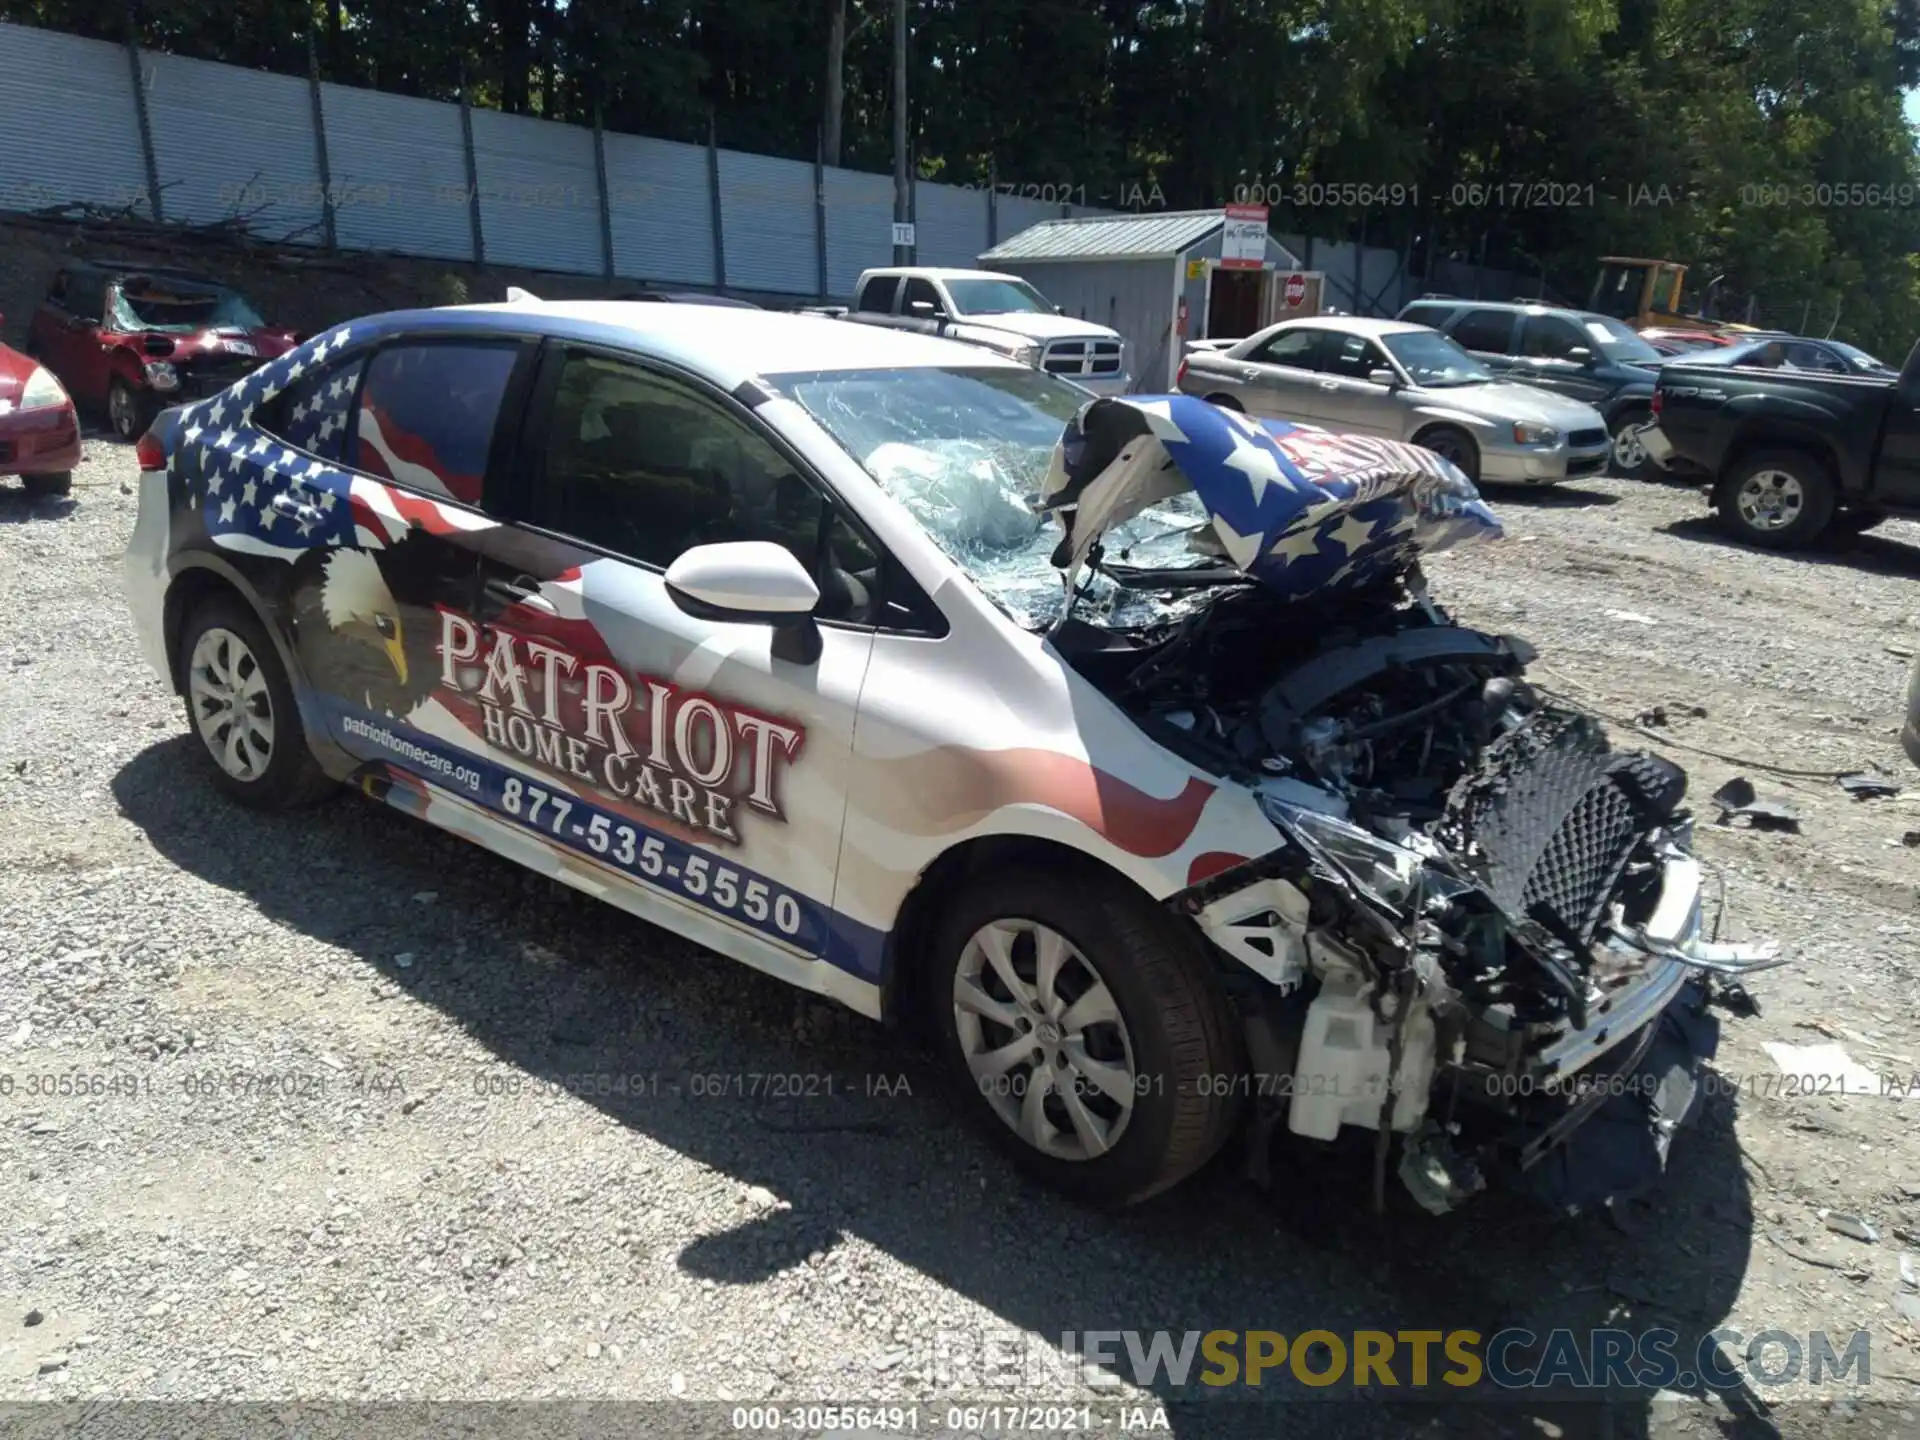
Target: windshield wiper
1188 577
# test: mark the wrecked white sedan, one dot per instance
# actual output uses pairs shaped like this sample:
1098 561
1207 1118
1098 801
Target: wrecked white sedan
1117 740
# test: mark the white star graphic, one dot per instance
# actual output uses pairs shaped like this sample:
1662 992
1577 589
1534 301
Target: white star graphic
296 370
261 446
226 512
1351 533
327 497
215 480
1243 550
217 411
306 525
224 439
248 491
322 350
288 458
192 433
299 412
1297 543
1257 464
340 388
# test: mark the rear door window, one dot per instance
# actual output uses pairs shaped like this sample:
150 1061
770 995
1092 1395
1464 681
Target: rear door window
1548 337
1488 331
878 294
427 413
1297 348
1352 357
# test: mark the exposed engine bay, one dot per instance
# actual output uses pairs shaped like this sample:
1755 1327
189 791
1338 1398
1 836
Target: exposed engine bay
1487 914
1483 933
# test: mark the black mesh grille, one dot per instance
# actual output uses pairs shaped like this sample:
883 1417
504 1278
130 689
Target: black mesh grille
1550 817
1576 873
1587 437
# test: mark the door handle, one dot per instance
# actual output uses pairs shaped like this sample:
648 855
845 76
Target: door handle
521 590
1329 385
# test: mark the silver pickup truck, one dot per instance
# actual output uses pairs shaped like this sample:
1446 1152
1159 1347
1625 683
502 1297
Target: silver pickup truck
1002 312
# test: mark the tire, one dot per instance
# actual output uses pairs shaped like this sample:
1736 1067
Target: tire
129 411
1226 402
1453 444
58 483
1777 499
224 647
1858 522
1175 1030
1629 460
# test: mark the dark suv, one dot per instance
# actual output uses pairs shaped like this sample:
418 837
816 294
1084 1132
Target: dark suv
1590 357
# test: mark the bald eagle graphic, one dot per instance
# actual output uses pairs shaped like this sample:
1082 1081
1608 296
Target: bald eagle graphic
363 627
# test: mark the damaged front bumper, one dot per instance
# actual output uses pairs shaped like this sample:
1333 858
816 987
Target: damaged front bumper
1577 1113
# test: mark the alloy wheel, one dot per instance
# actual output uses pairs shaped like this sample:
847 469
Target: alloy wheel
1044 1038
1629 451
232 708
1770 500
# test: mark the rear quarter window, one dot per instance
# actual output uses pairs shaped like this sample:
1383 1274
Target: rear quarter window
1490 331
877 294
315 413
427 413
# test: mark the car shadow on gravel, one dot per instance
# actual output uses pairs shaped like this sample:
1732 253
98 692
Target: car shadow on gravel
1549 497
860 1143
17 507
1876 554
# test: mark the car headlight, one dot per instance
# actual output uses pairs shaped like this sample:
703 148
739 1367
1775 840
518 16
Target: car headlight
1525 434
1388 873
42 390
161 375
1028 355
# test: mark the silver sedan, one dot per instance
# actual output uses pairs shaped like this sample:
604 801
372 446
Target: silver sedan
1403 382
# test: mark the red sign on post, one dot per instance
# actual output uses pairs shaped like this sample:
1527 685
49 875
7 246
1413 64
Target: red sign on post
1243 243
1296 291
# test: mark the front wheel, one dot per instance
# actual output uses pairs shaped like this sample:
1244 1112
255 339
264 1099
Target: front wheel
241 708
1084 1029
129 411
1456 446
1779 499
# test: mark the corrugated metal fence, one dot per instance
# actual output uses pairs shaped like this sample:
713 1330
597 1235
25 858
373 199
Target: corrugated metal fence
306 160
89 121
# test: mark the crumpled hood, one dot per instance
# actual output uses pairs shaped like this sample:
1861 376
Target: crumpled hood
1300 509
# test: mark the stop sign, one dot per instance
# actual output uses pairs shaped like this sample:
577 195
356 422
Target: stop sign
1296 291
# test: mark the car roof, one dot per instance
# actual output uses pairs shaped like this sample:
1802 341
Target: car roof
943 271
1357 324
728 346
1528 307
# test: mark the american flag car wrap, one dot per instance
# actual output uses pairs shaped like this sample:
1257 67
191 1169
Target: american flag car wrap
1300 509
256 495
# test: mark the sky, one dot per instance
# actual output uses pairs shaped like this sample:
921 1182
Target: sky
1913 107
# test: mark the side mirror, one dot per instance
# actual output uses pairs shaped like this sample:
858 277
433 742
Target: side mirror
1383 376
750 582
925 309
1580 355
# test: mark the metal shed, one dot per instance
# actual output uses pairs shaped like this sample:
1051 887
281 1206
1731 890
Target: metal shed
1159 280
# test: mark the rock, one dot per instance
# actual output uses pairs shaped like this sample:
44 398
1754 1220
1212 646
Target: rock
404 960
425 897
157 1309
593 1349
34 1317
53 1363
677 1383
1907 1273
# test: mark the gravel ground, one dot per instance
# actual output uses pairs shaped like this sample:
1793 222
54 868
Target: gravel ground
329 1148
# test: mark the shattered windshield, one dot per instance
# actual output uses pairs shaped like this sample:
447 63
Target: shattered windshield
1434 360
967 451
141 304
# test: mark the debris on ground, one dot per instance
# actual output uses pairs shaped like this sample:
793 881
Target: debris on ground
1632 617
1737 798
1863 786
1908 1275
1852 1226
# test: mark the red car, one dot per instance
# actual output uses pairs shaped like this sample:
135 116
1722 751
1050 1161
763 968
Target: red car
129 339
1681 342
39 432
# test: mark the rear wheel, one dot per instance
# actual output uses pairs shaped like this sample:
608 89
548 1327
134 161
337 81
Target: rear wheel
1780 499
241 709
1082 1026
59 482
1455 445
1630 459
